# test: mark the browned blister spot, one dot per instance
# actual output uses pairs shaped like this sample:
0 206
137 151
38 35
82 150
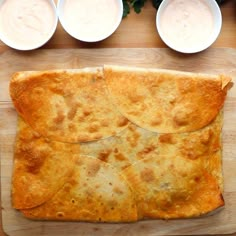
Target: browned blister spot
133 137
94 127
103 155
147 175
87 111
57 88
72 181
181 118
157 119
167 138
143 153
59 118
81 118
36 134
135 98
83 137
197 179
72 112
172 99
67 188
122 121
206 137
60 214
79 161
93 168
47 140
120 157
116 150
35 159
72 127
125 166
117 190
189 152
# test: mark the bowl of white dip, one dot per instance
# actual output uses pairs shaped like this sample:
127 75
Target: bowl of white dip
189 26
27 24
90 20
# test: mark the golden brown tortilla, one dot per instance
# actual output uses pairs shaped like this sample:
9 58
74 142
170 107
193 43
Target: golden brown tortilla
95 192
166 101
66 106
41 167
166 163
134 144
172 175
173 187
204 144
124 149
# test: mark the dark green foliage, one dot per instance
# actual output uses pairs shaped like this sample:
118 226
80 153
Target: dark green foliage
219 1
126 8
156 3
137 5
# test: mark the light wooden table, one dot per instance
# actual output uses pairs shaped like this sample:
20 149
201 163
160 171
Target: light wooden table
139 31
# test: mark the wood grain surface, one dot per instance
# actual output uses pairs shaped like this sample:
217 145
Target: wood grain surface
211 61
136 31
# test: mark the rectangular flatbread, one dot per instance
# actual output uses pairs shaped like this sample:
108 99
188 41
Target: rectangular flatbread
117 144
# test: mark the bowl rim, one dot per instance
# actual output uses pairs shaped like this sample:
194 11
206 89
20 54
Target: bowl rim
215 9
88 40
5 40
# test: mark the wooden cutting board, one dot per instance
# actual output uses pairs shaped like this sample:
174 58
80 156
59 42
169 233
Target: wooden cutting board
210 61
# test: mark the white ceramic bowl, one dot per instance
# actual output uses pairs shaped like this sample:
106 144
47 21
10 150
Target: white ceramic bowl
217 22
16 45
74 29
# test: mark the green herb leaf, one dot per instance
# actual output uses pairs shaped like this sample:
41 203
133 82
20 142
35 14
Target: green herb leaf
156 3
126 8
219 1
137 5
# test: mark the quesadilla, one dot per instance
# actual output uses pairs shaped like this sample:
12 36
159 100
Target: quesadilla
95 192
166 101
167 172
67 106
170 187
118 145
41 167
135 143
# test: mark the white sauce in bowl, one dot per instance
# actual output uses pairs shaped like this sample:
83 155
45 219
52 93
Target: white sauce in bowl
90 20
187 24
27 24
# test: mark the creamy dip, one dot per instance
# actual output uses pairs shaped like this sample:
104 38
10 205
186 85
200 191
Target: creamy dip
26 23
90 19
187 23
